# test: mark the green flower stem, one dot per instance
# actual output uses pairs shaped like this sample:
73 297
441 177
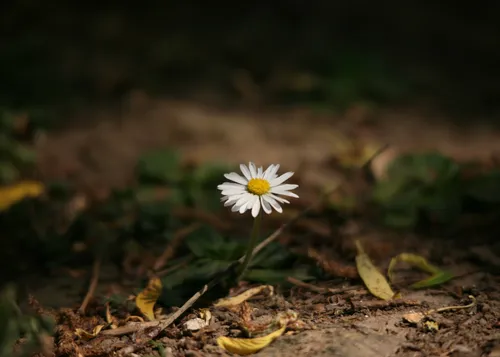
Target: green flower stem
254 237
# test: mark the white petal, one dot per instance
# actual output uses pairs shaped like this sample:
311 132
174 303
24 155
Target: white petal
247 204
250 203
243 199
284 193
253 170
286 187
279 180
267 172
279 199
233 191
246 172
233 176
265 205
272 174
273 203
235 198
256 207
229 185
260 172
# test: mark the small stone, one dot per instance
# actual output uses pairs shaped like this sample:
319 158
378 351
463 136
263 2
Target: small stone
195 324
413 317
485 308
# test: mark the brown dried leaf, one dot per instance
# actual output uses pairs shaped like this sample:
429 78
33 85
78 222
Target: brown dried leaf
332 267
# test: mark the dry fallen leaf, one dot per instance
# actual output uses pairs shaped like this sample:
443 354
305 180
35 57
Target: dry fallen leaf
109 318
238 299
413 317
147 298
431 326
206 315
9 195
88 335
437 277
248 346
374 280
331 266
350 152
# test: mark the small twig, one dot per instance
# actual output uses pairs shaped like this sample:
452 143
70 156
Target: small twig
183 262
163 324
96 267
319 289
455 307
381 304
174 244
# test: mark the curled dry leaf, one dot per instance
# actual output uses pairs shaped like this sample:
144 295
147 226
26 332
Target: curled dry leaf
88 335
248 346
206 315
437 277
9 195
374 281
238 299
147 298
413 317
109 318
332 267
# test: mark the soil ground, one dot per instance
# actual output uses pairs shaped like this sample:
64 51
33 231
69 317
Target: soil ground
100 150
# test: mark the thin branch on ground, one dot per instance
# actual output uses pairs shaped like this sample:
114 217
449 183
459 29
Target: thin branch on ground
96 268
163 324
322 290
174 243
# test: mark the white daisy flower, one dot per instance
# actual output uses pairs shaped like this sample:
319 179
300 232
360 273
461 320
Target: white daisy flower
256 189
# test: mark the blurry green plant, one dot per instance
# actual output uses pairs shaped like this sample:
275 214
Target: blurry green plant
356 77
15 325
426 184
433 187
15 156
213 253
190 186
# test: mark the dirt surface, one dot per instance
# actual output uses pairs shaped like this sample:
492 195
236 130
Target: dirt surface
349 323
105 147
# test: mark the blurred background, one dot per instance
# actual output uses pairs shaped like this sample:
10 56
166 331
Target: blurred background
328 54
118 120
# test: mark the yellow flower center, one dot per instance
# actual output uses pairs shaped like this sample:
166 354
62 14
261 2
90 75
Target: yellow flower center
258 186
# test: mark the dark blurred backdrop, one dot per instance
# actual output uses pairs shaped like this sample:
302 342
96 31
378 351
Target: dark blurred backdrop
327 53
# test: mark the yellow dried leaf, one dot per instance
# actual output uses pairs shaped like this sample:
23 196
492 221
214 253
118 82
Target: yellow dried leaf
88 335
134 318
147 298
12 194
374 281
206 315
238 299
437 277
431 326
109 317
248 346
352 153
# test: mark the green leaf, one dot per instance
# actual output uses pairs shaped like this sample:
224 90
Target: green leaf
8 173
485 188
402 219
160 166
272 256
